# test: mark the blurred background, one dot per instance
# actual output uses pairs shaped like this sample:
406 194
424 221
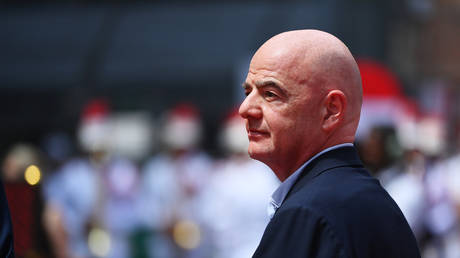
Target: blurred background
120 135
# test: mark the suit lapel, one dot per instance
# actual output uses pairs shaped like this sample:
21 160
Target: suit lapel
341 157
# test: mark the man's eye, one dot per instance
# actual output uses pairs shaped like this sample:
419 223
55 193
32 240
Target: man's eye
246 92
269 94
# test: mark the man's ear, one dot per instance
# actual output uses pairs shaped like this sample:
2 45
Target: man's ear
334 107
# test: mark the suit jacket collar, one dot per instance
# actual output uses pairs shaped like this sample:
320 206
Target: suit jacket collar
341 157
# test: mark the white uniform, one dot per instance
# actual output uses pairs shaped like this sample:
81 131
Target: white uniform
234 206
169 192
73 191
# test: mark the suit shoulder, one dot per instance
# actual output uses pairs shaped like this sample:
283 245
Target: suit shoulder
358 209
337 187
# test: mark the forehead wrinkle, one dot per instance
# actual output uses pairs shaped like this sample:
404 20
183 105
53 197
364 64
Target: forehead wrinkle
296 54
317 61
266 82
273 59
291 67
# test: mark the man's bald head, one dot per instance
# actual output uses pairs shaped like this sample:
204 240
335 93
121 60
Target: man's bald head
320 61
303 95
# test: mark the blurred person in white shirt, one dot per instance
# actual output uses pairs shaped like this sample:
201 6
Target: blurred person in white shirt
172 181
234 203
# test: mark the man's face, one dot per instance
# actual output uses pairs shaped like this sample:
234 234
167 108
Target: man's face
282 113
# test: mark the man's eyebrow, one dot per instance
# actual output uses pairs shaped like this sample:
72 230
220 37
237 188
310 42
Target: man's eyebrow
245 85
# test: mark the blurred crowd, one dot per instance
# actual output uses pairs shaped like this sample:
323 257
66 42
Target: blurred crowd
138 188
143 188
425 185
413 147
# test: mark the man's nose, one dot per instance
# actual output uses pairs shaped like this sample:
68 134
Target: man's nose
250 108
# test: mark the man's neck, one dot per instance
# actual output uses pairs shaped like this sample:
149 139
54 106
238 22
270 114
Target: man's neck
280 194
283 172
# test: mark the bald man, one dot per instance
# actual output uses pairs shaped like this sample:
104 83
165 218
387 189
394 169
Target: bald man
302 107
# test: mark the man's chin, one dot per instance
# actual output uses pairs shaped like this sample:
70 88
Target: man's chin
257 154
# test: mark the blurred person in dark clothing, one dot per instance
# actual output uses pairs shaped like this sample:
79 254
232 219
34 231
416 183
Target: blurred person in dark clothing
402 179
23 193
302 108
379 149
6 230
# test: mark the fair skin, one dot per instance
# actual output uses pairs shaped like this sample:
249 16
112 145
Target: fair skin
303 95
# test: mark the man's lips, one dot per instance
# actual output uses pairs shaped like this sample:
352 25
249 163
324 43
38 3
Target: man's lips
252 133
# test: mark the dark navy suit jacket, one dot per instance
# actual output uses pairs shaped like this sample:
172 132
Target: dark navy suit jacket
334 210
6 230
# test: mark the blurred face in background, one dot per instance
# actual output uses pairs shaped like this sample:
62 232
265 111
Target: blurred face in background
182 128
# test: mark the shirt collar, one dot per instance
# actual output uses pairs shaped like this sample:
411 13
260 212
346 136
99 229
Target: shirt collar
281 192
